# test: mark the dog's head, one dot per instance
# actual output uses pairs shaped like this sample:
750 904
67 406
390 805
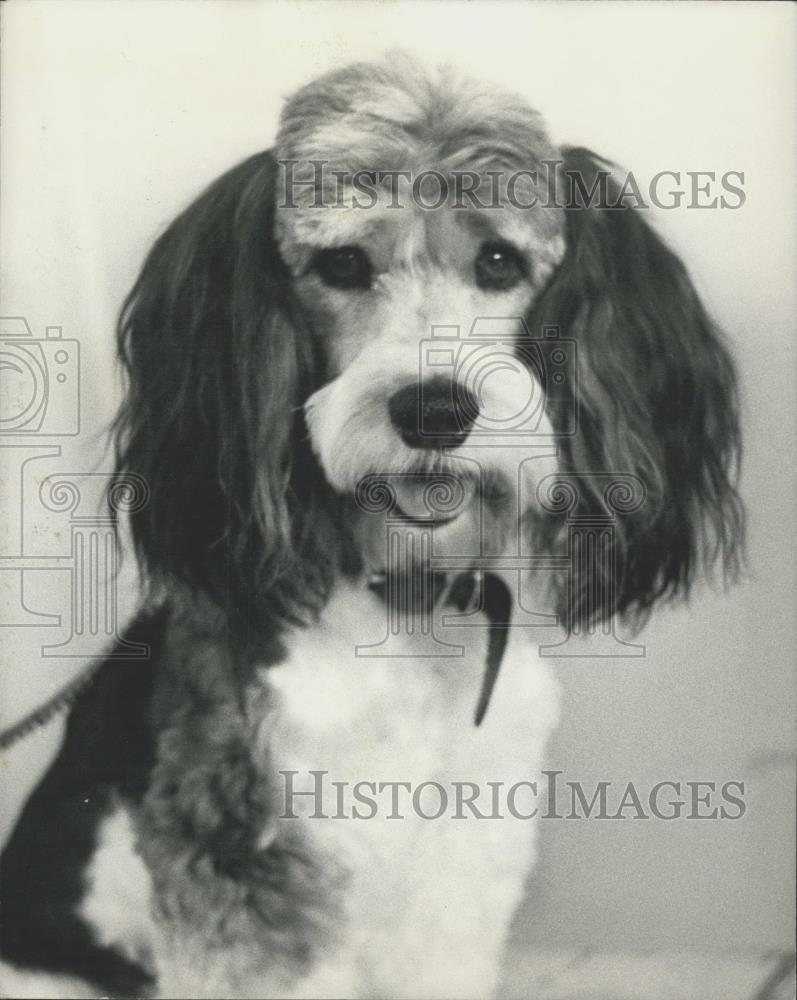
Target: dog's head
407 287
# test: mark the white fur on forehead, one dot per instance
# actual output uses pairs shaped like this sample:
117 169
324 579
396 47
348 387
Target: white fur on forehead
379 112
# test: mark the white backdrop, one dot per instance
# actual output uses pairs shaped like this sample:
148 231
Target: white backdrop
115 115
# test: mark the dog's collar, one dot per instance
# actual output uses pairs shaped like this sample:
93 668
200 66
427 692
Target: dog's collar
468 591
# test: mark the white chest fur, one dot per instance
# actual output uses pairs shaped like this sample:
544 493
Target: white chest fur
426 902
430 899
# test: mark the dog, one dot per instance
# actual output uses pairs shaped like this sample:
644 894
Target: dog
378 375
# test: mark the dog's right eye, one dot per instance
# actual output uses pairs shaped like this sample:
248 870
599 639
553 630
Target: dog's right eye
343 267
498 267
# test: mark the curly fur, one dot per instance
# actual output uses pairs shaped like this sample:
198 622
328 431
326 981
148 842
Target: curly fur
199 831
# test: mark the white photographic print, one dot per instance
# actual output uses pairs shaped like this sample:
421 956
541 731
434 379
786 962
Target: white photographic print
397 433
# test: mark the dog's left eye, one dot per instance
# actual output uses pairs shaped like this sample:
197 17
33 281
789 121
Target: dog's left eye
499 266
343 267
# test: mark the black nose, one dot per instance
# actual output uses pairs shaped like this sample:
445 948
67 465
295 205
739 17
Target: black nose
437 413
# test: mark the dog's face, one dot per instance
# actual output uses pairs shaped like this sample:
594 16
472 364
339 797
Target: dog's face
283 345
400 219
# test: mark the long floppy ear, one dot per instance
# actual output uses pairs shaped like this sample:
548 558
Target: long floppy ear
655 396
218 367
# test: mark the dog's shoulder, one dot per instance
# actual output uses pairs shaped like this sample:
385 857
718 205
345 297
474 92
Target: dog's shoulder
104 761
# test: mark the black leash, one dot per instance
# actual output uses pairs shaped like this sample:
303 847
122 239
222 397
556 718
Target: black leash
40 716
464 593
